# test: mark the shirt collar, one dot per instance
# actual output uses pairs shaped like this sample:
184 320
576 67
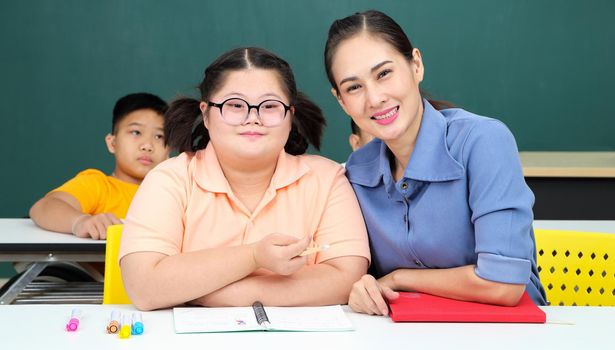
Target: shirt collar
209 175
430 161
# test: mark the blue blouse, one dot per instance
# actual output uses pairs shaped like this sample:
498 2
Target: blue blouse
462 201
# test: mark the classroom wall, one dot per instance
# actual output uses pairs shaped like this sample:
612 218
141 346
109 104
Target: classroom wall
543 67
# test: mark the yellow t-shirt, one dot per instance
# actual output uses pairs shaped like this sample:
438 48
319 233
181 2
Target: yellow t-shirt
98 193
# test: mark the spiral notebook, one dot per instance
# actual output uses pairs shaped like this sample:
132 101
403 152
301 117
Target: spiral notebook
419 307
259 318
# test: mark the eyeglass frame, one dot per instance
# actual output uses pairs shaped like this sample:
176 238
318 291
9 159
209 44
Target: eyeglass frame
257 107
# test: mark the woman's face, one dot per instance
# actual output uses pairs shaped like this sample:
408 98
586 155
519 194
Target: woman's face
379 87
250 140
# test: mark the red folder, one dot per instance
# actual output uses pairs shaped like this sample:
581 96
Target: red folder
419 307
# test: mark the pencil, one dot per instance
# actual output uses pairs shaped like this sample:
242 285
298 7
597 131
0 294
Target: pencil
316 249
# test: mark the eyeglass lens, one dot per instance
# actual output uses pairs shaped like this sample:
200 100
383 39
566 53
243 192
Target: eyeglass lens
270 112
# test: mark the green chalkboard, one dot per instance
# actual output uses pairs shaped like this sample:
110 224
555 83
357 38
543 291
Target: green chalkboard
543 67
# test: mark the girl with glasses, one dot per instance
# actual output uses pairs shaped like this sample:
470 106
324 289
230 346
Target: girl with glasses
225 223
442 191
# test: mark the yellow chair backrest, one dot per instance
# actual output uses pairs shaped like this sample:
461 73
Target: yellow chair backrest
576 268
114 292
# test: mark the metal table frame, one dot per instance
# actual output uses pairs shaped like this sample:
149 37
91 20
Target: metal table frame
22 241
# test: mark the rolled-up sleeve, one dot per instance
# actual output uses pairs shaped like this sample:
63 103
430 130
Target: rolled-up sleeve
501 204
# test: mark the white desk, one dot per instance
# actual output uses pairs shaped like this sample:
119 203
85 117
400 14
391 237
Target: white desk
42 327
21 240
22 235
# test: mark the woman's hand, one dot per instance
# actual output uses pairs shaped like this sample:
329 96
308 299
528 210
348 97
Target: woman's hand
279 253
368 295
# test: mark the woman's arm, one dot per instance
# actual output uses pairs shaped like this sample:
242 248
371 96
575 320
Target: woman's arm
459 283
327 283
368 294
155 280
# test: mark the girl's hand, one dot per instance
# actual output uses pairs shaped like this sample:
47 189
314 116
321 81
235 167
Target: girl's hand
369 296
279 253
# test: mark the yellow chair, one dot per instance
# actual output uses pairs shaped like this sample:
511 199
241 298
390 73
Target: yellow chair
576 268
114 292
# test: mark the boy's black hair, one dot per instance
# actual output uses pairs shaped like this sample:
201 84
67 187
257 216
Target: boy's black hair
135 102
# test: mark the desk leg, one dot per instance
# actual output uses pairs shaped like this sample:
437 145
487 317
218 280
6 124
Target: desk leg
27 276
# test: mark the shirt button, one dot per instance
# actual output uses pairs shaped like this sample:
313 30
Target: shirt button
417 262
404 186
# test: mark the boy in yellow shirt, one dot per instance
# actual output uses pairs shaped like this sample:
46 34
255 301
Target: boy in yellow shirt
91 201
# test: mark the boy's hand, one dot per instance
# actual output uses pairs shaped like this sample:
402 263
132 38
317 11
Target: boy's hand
94 226
279 253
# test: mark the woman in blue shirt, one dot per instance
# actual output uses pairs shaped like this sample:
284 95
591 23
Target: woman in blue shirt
442 191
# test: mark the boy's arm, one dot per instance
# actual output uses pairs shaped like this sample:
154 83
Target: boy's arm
61 212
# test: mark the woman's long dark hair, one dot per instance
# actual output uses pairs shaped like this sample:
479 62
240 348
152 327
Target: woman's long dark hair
377 24
184 128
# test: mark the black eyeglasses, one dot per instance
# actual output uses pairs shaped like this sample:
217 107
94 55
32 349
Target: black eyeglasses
235 111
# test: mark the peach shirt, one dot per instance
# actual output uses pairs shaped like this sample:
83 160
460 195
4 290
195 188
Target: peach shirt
186 204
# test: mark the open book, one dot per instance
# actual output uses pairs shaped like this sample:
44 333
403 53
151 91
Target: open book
259 318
